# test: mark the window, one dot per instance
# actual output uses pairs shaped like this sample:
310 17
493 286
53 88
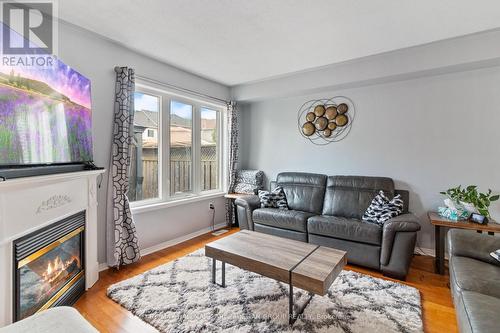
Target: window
143 180
177 148
181 147
209 149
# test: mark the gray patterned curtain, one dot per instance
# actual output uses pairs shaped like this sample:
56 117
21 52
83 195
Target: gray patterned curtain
232 126
122 244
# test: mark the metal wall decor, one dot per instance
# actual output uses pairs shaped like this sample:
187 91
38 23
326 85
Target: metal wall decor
323 121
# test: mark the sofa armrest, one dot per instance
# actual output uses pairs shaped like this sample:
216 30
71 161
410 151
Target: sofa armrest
245 206
248 201
403 223
468 243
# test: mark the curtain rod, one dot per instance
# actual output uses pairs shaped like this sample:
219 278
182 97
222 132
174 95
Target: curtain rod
185 90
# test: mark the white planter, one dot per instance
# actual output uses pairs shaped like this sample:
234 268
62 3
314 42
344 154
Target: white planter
450 204
469 207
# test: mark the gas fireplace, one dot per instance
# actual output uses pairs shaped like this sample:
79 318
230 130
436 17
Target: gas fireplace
49 266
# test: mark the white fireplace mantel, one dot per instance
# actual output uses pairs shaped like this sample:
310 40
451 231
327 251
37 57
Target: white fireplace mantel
31 203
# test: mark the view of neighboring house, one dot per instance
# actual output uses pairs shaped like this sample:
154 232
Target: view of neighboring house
144 173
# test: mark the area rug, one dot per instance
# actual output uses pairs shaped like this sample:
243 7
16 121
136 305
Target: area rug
179 297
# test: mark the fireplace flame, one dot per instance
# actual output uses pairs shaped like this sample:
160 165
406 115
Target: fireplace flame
58 269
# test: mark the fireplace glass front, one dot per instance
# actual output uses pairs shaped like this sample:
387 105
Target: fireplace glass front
52 269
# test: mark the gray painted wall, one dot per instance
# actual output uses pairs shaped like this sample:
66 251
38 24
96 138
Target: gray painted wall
468 52
427 134
95 57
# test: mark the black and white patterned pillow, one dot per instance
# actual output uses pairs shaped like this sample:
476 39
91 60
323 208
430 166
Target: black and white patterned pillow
274 199
382 209
249 181
496 254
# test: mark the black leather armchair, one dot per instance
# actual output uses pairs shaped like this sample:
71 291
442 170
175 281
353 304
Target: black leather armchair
328 210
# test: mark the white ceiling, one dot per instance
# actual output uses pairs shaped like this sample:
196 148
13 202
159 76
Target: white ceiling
238 41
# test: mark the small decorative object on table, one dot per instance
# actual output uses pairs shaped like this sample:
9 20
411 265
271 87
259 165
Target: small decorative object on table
463 203
478 218
453 213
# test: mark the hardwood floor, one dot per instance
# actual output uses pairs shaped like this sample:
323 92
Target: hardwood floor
108 316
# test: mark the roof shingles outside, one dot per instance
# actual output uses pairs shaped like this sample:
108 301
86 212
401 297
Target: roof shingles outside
180 135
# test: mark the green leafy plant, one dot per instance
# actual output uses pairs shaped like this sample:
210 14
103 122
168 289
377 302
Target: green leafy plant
471 195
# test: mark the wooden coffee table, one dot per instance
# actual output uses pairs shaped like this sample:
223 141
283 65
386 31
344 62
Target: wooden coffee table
306 266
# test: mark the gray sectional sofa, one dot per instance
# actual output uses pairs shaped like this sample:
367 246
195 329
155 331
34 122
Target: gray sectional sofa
327 210
474 280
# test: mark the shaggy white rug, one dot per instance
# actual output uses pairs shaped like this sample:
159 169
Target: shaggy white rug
178 297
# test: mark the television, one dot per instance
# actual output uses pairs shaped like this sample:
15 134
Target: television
45 116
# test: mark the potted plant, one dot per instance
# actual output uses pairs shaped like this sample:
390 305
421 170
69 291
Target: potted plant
471 199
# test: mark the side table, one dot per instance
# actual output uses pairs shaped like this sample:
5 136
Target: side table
440 223
232 197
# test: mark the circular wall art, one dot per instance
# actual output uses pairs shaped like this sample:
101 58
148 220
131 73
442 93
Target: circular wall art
323 121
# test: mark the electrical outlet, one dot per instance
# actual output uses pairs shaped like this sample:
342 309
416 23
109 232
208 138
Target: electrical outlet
211 205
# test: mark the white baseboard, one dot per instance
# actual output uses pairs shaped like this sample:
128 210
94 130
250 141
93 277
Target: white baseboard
103 266
424 251
164 245
181 239
428 252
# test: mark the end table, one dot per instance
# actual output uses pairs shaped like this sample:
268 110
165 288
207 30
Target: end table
440 223
232 197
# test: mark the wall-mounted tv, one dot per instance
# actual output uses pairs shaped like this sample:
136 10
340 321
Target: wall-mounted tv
45 116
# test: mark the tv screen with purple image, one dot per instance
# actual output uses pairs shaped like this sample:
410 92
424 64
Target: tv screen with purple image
45 116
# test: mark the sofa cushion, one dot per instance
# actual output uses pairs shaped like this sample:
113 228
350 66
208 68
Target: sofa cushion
349 196
362 254
285 233
284 219
304 191
345 228
405 196
478 313
468 274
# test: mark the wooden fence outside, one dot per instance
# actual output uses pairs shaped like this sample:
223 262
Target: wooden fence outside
180 176
150 182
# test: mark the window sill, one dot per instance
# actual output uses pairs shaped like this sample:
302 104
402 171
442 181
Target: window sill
157 205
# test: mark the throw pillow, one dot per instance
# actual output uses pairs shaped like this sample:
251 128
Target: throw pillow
274 199
376 207
382 209
248 181
496 254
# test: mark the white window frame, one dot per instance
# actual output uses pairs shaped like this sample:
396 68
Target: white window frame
193 146
220 150
146 202
196 194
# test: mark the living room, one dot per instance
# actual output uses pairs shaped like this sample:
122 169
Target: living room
244 166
